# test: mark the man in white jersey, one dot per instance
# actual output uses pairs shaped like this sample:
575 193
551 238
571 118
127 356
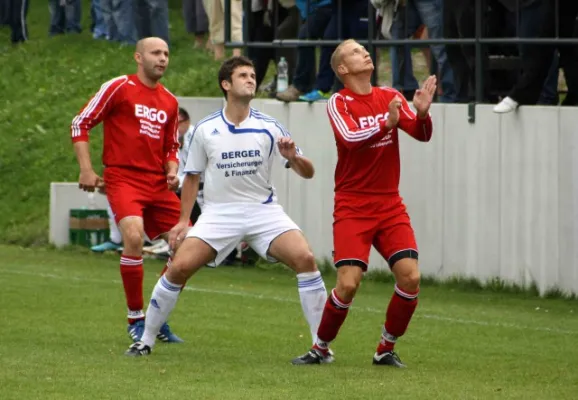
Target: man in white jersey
235 148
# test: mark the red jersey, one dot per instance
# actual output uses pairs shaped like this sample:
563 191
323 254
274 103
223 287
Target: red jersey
140 124
367 152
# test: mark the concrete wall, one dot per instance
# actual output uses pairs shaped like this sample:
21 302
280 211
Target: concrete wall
498 198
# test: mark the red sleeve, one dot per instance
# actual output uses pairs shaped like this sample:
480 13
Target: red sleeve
171 144
96 109
346 129
419 129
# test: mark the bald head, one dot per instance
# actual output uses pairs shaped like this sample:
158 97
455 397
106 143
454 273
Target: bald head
149 43
152 57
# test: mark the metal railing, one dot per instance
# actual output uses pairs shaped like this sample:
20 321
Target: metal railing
373 44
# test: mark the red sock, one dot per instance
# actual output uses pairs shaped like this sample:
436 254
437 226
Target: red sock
132 275
397 317
333 317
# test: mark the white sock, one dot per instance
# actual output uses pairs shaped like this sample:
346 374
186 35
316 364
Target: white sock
163 300
114 232
313 297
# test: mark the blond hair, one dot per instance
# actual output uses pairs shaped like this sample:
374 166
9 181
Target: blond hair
336 57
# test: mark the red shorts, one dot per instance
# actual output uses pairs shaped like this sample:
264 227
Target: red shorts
133 193
360 222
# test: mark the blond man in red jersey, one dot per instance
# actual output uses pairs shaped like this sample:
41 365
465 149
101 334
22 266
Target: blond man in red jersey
368 208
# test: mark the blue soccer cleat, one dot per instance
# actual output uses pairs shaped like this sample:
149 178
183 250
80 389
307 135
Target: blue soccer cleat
165 335
136 330
106 246
315 95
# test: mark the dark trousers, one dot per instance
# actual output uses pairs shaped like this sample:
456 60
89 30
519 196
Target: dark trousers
313 28
460 22
17 20
353 26
259 32
4 12
196 21
539 57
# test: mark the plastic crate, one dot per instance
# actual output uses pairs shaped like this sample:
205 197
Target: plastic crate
88 227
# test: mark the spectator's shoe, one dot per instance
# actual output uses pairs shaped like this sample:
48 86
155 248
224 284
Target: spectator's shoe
106 246
314 356
136 330
388 358
289 95
315 95
165 335
506 105
138 349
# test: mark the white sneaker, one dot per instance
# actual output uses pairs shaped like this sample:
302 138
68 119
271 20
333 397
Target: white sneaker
506 105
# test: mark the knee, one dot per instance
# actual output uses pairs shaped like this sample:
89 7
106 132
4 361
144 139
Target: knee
132 238
410 280
305 262
178 273
347 288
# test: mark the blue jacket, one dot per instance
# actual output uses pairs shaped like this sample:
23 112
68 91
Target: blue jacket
313 5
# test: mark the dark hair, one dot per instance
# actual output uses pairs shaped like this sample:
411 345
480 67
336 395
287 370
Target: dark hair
184 114
229 66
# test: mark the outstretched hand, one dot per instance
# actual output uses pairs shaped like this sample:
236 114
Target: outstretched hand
423 97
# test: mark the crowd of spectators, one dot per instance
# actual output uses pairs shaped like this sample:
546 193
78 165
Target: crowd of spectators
513 73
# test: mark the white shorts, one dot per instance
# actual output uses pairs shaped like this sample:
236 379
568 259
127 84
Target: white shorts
224 226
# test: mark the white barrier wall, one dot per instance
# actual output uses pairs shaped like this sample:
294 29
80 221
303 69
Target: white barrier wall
498 198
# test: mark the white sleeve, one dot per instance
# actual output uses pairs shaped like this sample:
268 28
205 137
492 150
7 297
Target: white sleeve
279 132
196 153
183 156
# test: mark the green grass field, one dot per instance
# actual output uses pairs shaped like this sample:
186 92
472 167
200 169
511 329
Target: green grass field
63 337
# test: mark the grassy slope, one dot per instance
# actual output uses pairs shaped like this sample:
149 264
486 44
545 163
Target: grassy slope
42 85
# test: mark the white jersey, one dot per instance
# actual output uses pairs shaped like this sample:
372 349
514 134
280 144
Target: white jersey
236 161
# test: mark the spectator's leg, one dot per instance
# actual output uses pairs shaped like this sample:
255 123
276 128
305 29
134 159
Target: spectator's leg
217 27
142 19
325 75
569 54
431 13
18 14
190 17
236 23
57 16
123 17
531 17
100 29
313 28
261 56
538 61
159 19
289 29
406 22
73 12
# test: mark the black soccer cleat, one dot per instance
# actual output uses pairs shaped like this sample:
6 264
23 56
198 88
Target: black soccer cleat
388 358
138 349
314 356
